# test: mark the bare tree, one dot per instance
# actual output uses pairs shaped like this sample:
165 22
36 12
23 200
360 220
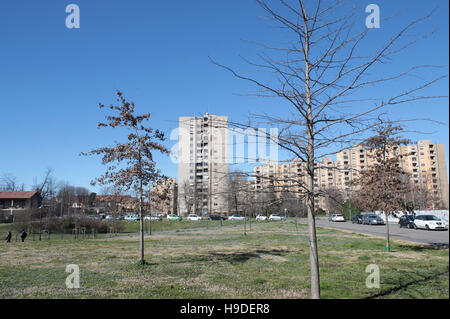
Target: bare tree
139 169
110 190
236 191
192 200
382 185
9 182
329 81
47 187
420 197
334 199
65 196
82 195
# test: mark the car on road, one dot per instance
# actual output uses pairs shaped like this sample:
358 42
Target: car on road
194 217
357 219
217 217
372 219
173 217
154 218
237 217
429 222
406 221
132 218
261 217
109 217
336 218
276 217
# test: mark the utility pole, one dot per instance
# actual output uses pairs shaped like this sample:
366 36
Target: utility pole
40 222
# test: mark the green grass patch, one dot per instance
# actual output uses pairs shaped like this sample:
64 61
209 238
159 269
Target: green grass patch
195 260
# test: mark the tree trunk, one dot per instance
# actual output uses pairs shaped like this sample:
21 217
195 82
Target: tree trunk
313 253
388 241
141 221
313 257
245 226
141 217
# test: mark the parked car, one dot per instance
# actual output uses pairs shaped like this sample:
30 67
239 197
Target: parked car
276 217
155 218
336 218
217 217
357 219
406 221
132 218
372 219
237 217
109 217
173 217
428 222
94 217
158 214
194 217
261 217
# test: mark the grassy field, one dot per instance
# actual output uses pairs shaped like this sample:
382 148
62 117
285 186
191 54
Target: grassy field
131 228
192 261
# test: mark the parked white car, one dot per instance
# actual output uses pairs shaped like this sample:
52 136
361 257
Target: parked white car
109 217
336 218
194 217
428 222
276 217
132 217
261 217
150 217
237 217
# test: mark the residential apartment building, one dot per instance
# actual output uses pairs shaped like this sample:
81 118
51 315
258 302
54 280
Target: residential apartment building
279 177
425 162
203 164
164 196
428 168
291 178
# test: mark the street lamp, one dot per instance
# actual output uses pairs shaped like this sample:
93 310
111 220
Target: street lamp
349 205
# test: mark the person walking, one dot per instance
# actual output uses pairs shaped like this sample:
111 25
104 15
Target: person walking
8 237
23 235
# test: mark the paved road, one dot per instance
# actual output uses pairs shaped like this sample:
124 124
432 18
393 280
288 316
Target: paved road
437 238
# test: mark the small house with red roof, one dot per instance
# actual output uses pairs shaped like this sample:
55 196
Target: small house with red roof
19 200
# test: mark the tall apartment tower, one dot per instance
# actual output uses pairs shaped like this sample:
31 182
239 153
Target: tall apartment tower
203 164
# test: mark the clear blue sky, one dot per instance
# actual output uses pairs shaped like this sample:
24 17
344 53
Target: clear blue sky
156 52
